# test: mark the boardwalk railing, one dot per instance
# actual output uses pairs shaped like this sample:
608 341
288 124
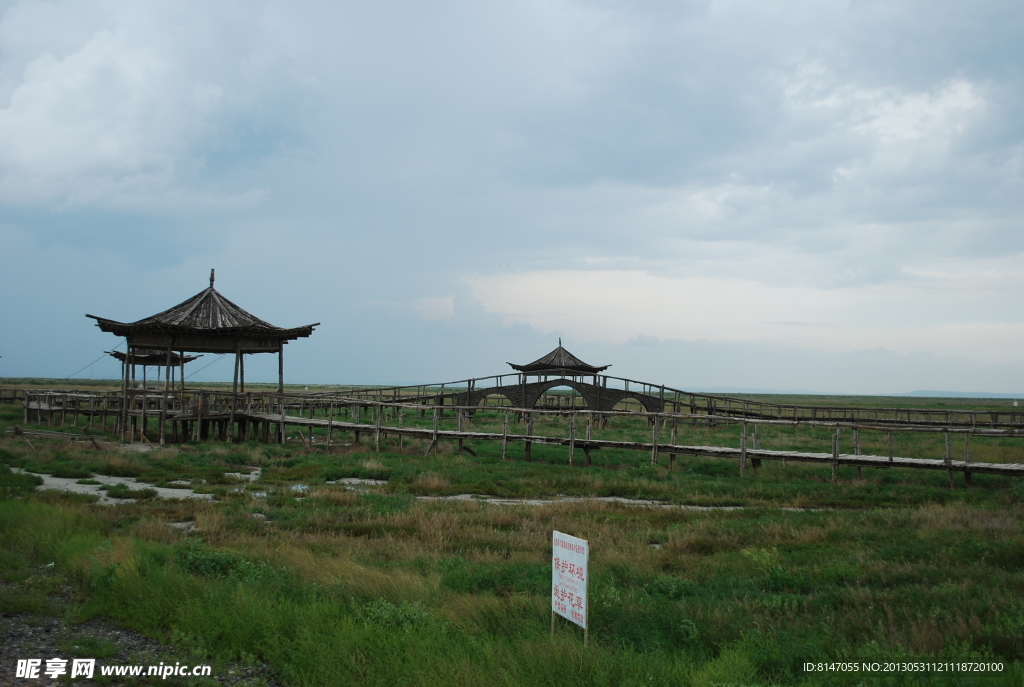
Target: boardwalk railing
195 414
644 394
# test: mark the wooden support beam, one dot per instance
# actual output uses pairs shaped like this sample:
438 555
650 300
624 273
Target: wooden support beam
654 440
948 460
743 449
504 436
967 459
572 436
835 455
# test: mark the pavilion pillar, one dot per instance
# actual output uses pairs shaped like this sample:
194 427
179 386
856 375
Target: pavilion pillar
167 387
280 389
234 389
131 396
243 423
122 417
145 401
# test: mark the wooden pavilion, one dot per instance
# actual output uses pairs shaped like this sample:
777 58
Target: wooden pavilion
558 362
206 323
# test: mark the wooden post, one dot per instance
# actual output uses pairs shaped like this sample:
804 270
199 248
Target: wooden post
674 440
856 450
835 455
654 440
461 415
376 432
234 390
590 435
948 459
528 446
433 440
743 449
280 391
967 458
145 404
247 435
572 436
123 415
167 387
504 436
330 425
756 462
401 422
889 442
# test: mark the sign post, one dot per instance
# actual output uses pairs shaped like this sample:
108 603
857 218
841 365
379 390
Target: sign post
569 576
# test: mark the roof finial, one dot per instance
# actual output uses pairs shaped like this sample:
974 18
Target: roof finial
559 341
211 277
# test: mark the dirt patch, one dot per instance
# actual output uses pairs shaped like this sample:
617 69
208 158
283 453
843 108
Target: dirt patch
27 636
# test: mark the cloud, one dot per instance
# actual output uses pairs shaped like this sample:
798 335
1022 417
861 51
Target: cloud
436 307
623 307
138 109
829 176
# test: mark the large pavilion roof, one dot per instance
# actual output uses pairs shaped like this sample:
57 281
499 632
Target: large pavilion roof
557 360
207 314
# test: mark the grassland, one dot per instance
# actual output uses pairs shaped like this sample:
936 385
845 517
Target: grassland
379 587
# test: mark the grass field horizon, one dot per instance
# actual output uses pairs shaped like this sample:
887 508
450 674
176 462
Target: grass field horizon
333 584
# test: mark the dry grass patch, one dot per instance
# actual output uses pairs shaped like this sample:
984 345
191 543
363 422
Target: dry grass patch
959 519
336 497
210 522
153 530
361 580
703 539
431 481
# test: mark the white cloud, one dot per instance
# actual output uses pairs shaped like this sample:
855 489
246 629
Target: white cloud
616 306
436 307
841 176
133 111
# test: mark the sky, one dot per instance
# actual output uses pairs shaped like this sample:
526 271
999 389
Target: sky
795 195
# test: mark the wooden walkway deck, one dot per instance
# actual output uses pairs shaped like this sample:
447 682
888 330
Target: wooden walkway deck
868 461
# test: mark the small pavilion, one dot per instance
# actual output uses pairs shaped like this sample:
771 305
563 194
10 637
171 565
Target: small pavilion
206 323
558 362
154 358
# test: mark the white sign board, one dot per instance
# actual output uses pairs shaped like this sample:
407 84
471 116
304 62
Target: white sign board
569 577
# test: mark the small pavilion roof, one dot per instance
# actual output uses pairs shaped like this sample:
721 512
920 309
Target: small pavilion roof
152 356
559 359
208 313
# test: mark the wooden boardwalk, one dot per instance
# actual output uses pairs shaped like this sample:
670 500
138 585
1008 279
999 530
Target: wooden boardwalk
201 414
864 461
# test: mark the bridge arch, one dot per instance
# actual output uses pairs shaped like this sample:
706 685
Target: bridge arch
635 399
481 402
537 390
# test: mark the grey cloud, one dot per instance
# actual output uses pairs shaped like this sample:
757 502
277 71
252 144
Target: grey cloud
405 145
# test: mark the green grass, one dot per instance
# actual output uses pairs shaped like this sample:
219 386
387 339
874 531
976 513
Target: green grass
123 491
379 588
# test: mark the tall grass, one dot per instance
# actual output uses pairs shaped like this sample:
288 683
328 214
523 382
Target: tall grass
377 588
